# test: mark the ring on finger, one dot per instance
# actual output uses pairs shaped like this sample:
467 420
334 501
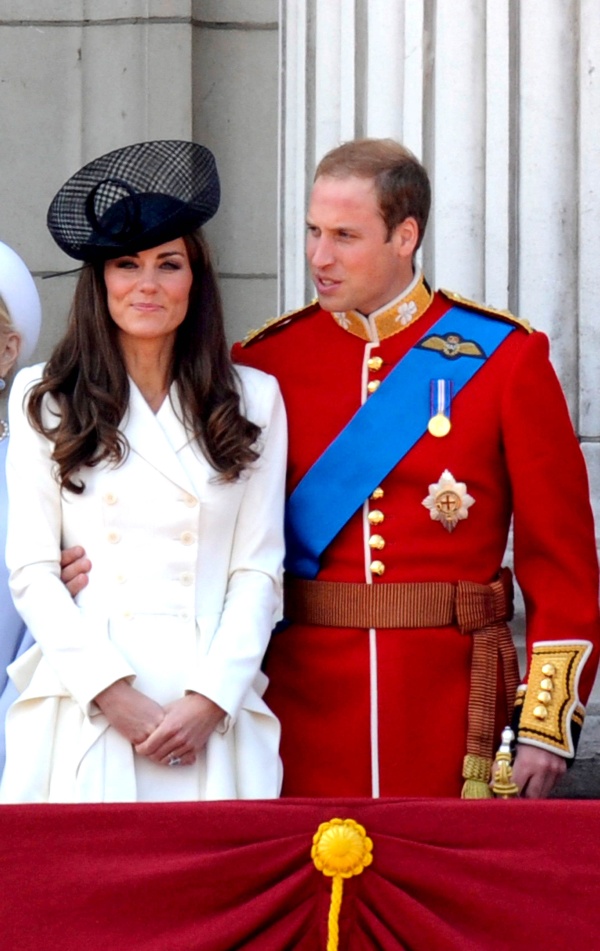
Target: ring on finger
174 761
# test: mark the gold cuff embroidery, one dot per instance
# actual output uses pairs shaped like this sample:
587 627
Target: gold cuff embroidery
550 702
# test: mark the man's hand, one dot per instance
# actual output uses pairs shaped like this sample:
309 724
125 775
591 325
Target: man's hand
182 734
75 568
537 771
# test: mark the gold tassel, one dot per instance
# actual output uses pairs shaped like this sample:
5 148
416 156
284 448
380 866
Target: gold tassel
476 773
475 789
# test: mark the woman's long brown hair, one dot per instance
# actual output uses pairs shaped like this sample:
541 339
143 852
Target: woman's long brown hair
88 383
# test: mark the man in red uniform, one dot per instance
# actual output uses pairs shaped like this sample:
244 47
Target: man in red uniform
395 672
420 424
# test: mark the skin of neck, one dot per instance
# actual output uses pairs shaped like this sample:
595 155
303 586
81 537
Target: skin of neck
148 363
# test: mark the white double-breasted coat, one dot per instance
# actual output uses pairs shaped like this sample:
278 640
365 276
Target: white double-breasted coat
184 590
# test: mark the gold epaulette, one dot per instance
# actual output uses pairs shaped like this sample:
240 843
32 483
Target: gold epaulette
484 309
281 321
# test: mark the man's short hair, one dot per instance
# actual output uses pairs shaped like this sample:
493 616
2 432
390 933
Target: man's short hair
401 182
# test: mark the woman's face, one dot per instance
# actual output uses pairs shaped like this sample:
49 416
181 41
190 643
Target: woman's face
148 292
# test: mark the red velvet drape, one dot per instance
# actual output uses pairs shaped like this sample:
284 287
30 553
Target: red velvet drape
446 876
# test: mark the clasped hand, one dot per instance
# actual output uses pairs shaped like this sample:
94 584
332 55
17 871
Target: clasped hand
179 730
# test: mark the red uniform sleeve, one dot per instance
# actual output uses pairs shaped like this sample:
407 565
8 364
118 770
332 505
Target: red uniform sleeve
555 555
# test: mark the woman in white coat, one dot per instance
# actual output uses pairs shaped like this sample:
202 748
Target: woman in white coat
20 319
139 441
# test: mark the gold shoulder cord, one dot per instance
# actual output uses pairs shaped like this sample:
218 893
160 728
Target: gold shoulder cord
485 309
280 321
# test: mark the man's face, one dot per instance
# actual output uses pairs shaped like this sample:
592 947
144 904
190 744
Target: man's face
352 264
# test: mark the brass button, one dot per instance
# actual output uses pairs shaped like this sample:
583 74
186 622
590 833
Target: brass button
376 517
375 363
549 670
376 541
377 568
546 684
540 712
377 493
373 385
545 697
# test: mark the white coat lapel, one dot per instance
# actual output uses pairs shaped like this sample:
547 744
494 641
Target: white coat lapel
157 442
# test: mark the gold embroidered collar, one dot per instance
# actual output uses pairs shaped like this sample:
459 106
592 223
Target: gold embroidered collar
391 319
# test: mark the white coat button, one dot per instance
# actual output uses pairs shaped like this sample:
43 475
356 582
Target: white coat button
187 538
128 615
184 615
110 498
190 501
114 537
120 579
186 578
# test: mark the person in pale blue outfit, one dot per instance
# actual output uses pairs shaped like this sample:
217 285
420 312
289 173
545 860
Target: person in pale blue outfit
20 318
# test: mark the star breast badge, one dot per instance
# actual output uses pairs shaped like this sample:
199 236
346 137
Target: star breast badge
448 501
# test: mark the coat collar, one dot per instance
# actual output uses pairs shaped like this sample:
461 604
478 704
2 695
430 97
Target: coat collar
158 438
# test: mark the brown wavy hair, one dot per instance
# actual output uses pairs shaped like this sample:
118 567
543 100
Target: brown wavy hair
88 383
401 182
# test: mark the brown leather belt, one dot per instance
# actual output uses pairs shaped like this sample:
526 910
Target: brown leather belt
410 604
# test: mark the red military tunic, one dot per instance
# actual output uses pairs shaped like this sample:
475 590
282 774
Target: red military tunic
384 712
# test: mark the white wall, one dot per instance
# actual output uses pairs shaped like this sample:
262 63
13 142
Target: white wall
81 77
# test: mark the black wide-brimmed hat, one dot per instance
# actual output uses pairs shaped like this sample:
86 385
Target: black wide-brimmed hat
135 198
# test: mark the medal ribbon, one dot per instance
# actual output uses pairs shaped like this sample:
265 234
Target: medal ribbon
440 400
344 476
440 397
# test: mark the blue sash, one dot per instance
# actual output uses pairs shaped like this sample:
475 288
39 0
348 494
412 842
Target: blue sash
378 436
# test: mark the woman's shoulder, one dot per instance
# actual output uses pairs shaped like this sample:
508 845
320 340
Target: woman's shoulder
25 379
256 383
31 373
260 393
20 390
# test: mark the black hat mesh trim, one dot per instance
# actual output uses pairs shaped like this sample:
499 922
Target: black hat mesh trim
169 169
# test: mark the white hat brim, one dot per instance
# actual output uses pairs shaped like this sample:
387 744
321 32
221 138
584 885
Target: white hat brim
18 290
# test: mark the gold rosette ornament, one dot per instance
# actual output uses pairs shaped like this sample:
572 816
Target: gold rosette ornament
341 848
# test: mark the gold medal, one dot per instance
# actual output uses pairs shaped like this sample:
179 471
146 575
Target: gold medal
439 425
